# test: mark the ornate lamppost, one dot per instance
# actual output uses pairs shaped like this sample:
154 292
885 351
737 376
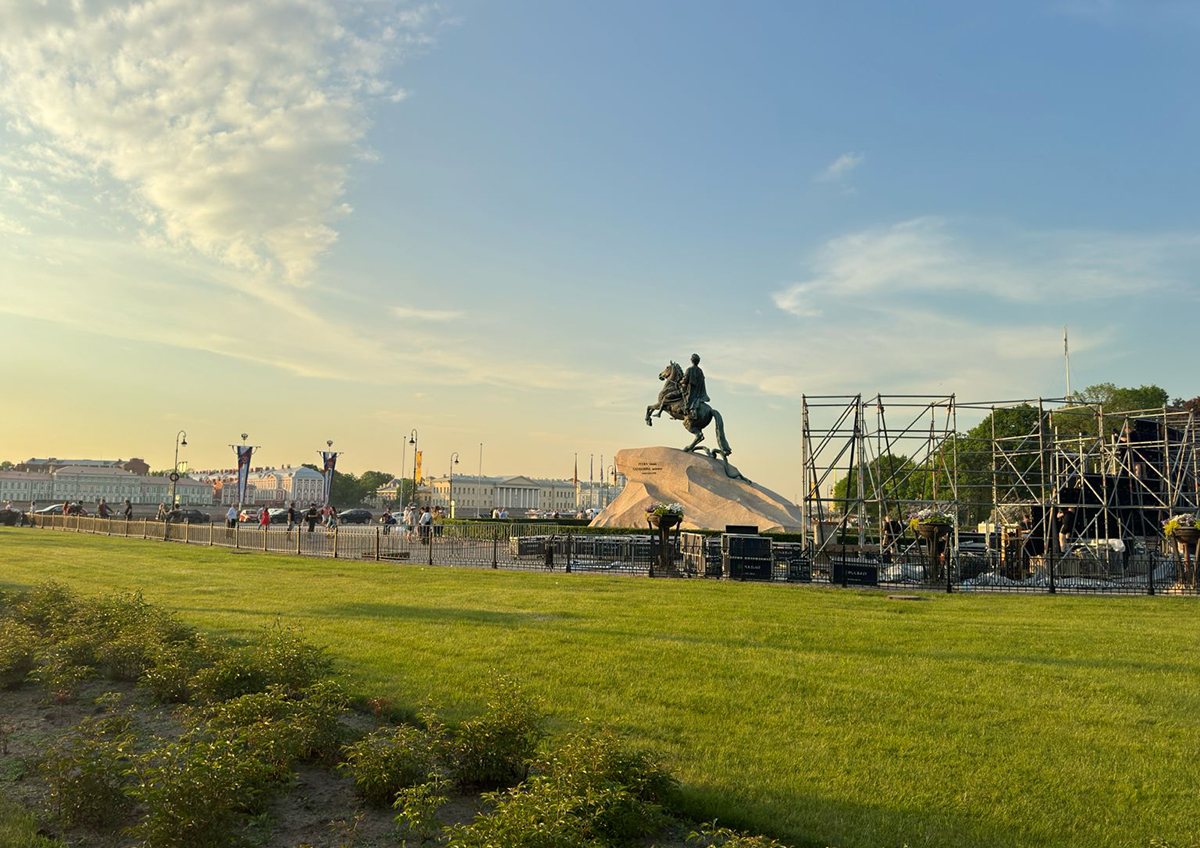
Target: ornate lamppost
412 440
453 462
182 434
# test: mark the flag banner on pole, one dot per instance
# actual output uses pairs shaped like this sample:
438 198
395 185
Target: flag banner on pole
417 469
244 452
328 461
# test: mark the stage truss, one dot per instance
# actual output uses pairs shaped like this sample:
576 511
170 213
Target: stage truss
1114 476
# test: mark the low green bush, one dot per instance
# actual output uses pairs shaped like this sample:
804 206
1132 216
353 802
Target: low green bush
276 727
60 672
495 749
417 808
46 607
172 668
712 836
197 794
18 651
390 759
591 791
279 657
88 771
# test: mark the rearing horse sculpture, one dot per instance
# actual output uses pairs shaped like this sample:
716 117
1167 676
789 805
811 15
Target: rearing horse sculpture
671 401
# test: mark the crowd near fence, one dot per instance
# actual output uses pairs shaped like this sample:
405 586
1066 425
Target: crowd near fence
745 557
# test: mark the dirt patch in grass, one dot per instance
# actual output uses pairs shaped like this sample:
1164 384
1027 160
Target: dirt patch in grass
317 808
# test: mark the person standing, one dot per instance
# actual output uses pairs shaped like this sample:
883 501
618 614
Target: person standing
291 516
264 520
310 516
102 509
128 510
425 524
231 517
32 505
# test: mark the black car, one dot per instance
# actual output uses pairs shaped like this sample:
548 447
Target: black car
188 516
354 516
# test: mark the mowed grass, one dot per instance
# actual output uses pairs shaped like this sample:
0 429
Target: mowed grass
822 716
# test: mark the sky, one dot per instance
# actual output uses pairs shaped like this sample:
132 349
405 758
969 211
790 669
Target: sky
496 222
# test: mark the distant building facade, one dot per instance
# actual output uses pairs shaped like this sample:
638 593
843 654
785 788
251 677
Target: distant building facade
472 496
90 483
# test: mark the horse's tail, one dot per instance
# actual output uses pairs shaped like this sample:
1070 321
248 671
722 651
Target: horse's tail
721 433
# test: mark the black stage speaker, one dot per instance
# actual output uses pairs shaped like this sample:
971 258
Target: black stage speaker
745 557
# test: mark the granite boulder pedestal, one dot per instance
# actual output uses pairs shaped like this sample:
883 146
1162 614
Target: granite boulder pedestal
711 500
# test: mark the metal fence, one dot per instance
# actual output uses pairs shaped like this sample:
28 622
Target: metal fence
751 558
509 546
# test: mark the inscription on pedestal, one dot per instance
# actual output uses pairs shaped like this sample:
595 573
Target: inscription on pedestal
646 468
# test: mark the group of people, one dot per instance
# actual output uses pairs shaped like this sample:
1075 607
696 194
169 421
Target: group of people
421 522
325 515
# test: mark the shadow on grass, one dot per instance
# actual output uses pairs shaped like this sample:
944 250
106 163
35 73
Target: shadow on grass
442 615
824 822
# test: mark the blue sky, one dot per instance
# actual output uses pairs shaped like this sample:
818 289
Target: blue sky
496 221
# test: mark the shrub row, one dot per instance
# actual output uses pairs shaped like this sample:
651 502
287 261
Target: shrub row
250 713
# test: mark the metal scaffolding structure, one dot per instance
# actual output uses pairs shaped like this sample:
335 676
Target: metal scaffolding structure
1042 489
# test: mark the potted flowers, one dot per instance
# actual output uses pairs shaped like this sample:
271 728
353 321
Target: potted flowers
931 522
1184 529
664 516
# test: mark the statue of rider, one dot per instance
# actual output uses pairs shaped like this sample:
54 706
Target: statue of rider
693 388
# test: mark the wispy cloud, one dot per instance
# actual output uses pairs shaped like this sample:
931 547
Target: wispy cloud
840 167
426 314
1132 13
928 255
230 126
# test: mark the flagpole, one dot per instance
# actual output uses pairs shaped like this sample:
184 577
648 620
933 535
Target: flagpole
1067 357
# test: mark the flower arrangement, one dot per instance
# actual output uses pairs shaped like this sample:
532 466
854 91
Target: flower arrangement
660 509
1180 522
930 515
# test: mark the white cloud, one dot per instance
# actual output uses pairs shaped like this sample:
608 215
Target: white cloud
928 256
840 167
425 314
230 125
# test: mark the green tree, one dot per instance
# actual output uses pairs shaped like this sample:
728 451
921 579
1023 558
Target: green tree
896 477
352 490
1112 399
6 466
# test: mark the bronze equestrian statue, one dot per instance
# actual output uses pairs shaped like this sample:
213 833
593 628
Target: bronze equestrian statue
685 399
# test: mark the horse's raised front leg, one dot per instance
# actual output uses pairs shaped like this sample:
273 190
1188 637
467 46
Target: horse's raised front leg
650 409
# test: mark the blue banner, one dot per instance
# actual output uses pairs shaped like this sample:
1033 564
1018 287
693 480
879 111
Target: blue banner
329 460
244 453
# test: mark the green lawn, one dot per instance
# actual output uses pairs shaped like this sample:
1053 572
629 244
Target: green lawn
822 716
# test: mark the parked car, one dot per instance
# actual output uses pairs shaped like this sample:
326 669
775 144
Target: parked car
278 515
354 516
188 516
250 515
56 509
10 517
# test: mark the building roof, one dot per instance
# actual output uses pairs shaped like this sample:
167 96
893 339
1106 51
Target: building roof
88 463
95 469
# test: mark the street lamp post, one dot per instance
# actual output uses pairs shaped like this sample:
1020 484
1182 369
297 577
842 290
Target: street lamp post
182 434
453 462
412 440
403 465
